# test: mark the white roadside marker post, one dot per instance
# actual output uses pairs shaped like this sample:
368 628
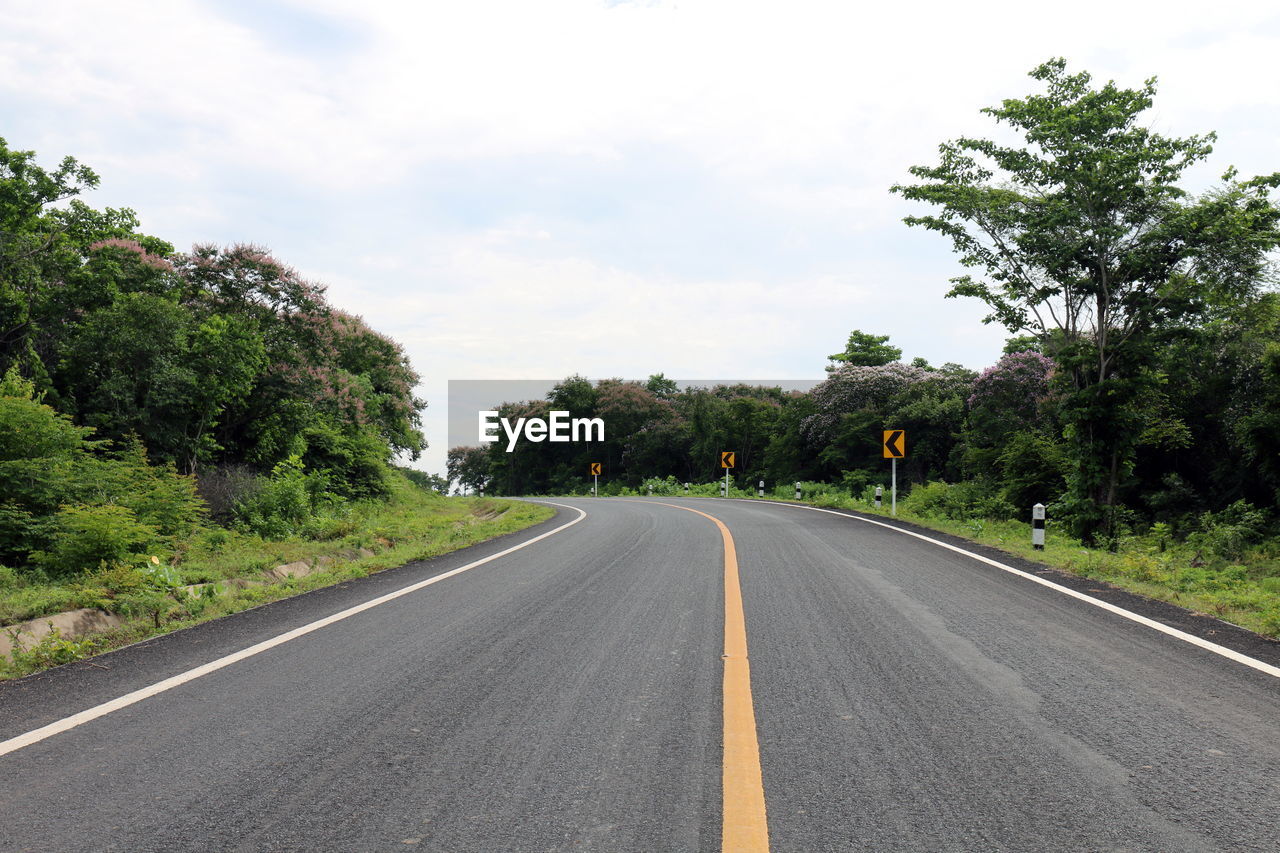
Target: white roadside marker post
761 489
894 506
686 490
651 490
879 496
1037 527
797 490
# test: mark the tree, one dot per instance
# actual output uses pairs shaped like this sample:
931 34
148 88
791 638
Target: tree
468 467
866 350
1088 243
660 386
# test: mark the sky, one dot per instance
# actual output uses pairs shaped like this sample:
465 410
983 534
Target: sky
529 190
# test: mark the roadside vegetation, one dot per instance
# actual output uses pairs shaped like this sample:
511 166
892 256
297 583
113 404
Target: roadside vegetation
170 419
1138 395
214 571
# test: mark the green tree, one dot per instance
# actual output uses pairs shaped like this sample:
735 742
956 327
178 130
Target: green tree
1088 243
867 350
468 467
660 386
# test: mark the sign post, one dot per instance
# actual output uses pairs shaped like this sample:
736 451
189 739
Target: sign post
895 447
595 474
726 462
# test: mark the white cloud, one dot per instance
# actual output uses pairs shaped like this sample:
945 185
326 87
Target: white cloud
534 189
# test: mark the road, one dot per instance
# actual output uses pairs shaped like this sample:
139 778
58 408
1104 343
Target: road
571 695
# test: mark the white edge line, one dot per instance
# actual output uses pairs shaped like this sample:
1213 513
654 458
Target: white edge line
57 727
1229 654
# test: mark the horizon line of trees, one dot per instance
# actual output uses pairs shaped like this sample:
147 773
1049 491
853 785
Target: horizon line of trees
1001 429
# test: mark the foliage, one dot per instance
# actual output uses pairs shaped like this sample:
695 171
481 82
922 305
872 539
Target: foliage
1088 243
434 482
468 467
1227 533
53 649
960 501
283 503
126 362
866 350
86 537
412 524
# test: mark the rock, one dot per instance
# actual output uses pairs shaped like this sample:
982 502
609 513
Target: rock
244 583
71 624
325 562
364 552
298 569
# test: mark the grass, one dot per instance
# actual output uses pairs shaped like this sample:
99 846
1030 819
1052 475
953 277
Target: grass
415 524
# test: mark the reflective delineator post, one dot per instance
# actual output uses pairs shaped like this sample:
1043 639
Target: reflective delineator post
761 488
797 490
651 490
686 489
724 487
1037 527
879 496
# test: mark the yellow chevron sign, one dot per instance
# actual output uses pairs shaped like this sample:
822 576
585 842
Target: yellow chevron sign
895 443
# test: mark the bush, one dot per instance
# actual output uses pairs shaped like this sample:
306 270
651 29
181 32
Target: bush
1225 534
224 487
9 578
353 460
1033 469
1210 580
666 487
810 491
158 495
961 502
284 504
91 537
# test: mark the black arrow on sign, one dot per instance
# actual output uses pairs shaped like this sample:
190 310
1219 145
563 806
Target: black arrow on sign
892 445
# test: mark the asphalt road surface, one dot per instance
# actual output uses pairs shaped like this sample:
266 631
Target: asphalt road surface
584 693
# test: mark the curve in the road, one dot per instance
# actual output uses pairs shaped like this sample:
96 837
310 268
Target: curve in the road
1215 648
744 824
101 710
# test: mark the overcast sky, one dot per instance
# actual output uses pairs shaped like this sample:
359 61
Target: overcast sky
533 189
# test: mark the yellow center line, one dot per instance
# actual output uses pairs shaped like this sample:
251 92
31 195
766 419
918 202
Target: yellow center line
744 828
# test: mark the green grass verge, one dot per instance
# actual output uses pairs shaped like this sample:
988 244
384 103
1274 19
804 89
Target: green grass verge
415 524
